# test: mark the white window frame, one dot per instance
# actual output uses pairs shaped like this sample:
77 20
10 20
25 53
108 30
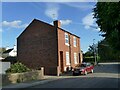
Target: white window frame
74 41
75 58
67 58
66 38
65 68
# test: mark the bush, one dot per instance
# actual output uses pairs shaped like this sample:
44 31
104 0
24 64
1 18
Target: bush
91 59
17 68
88 59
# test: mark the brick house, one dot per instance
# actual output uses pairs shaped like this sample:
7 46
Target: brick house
48 46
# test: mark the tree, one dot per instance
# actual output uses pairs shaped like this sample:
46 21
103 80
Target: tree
106 52
2 50
108 19
90 51
90 54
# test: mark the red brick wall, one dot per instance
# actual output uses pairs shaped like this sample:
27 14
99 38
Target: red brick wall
37 47
64 48
74 50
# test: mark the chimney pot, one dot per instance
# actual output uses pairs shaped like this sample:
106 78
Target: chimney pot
57 23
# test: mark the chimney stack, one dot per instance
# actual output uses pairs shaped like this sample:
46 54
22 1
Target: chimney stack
57 23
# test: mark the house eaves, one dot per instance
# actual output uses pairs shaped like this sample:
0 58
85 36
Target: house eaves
8 51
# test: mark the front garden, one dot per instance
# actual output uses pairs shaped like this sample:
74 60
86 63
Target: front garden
18 73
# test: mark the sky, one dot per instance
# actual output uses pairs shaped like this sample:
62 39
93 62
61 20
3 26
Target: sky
76 18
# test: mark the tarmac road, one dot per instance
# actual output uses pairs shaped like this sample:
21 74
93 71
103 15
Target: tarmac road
106 75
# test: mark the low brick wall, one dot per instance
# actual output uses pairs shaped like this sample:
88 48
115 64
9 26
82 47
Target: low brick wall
50 70
23 77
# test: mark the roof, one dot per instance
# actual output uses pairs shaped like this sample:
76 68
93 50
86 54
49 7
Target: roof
68 32
1 58
49 25
57 27
7 51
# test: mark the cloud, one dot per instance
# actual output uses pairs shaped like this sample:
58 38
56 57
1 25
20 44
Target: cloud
98 29
14 24
52 11
65 22
82 6
88 20
90 23
1 30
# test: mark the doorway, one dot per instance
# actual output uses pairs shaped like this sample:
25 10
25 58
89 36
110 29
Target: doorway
79 58
61 61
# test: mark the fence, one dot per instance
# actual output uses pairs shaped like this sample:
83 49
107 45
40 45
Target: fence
4 66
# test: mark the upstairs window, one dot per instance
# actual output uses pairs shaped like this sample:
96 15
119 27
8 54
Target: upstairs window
74 42
66 39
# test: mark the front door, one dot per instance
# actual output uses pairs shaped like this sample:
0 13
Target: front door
61 61
79 58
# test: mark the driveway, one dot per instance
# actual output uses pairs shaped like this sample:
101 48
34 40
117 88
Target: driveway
105 76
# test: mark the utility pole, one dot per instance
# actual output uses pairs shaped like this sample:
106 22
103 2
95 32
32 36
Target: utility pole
94 50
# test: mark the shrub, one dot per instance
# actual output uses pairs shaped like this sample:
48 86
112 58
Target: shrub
89 59
17 68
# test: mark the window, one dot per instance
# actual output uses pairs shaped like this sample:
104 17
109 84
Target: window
75 58
66 39
74 41
67 58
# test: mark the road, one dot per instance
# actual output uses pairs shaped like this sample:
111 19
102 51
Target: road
105 76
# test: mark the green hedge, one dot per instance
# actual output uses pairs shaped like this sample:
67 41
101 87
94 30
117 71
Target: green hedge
17 68
88 59
91 59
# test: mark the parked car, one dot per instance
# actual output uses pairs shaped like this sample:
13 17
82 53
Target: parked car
83 68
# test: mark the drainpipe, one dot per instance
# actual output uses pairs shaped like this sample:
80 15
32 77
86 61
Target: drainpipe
70 49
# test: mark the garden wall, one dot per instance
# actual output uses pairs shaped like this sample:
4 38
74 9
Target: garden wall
22 77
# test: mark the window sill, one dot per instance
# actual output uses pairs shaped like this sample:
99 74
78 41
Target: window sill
76 63
67 44
75 46
68 64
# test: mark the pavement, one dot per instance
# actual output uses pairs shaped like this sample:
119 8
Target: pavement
46 79
32 83
37 82
109 63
